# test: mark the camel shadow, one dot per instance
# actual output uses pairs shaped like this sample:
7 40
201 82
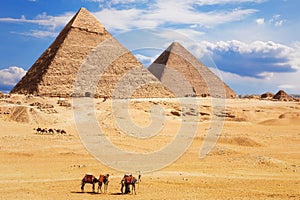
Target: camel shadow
116 194
91 193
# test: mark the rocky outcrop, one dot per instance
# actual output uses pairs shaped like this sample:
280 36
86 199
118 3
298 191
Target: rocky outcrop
267 95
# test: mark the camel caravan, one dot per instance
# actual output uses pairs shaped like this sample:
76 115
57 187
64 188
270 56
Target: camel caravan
127 181
50 131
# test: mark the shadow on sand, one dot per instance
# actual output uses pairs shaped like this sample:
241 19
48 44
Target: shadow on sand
91 193
95 193
117 193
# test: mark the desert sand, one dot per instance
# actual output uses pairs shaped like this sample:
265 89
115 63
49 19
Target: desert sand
256 157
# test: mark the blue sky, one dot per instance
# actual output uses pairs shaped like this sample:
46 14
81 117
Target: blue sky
253 45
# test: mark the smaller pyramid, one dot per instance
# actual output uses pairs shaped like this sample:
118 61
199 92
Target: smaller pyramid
185 75
282 96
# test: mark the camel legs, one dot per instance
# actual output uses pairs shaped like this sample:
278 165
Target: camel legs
82 186
105 187
100 187
122 187
93 187
127 188
133 188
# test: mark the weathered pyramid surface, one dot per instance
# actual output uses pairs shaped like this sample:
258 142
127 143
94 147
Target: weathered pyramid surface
282 96
185 75
86 60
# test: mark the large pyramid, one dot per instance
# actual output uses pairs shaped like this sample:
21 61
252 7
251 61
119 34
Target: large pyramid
84 60
185 75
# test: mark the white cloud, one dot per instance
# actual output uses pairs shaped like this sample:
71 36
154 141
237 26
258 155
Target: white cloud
167 14
38 33
145 59
287 86
10 76
248 85
258 59
277 21
279 50
271 77
198 2
190 33
155 14
127 1
42 20
266 75
218 2
124 19
260 21
295 56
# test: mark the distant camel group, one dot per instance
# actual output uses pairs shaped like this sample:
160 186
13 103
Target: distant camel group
126 181
49 131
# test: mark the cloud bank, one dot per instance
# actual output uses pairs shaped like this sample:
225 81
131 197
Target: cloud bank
130 14
257 59
10 76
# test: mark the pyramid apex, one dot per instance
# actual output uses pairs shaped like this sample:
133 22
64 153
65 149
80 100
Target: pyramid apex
175 46
82 9
84 20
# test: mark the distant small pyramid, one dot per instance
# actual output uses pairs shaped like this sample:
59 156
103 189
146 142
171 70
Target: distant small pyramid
185 75
86 48
282 96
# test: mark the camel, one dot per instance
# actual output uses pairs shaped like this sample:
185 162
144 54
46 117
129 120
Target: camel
38 130
57 130
88 178
51 131
103 179
60 131
128 180
44 130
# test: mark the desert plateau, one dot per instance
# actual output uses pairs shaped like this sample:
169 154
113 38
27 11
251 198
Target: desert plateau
255 157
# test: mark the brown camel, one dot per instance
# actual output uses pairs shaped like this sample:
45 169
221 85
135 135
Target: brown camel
88 178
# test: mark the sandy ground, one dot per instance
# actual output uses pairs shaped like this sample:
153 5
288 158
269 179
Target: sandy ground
256 157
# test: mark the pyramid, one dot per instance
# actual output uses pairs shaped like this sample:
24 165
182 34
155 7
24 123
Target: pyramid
84 60
282 96
185 75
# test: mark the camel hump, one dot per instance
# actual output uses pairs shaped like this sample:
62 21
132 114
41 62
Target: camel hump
89 178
